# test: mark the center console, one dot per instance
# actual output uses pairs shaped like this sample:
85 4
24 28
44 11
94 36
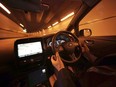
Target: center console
30 61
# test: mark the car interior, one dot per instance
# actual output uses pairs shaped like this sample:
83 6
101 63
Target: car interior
81 31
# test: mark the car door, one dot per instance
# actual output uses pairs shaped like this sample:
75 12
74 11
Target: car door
101 20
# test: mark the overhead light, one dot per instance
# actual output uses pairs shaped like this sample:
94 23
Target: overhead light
69 15
49 26
43 30
25 30
55 24
21 25
72 31
40 32
49 29
4 8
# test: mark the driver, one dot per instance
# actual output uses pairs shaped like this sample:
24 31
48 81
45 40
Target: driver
62 74
96 76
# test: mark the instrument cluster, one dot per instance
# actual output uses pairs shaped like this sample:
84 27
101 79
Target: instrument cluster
59 40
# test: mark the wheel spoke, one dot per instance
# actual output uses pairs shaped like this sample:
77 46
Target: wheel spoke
72 56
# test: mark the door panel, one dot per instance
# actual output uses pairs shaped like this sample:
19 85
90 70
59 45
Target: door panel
101 46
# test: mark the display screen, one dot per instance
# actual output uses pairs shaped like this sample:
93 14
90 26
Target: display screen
29 49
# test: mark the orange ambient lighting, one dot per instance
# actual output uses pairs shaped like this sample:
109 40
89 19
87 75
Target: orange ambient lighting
49 26
55 24
69 15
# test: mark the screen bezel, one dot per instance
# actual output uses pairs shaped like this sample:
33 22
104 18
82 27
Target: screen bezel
27 40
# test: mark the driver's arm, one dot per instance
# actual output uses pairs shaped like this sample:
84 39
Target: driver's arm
62 76
87 54
57 62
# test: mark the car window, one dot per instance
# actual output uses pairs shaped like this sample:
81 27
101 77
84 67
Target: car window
101 19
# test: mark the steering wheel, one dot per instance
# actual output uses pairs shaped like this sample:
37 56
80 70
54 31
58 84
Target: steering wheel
69 51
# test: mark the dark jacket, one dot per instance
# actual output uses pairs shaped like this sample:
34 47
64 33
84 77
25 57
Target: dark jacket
99 76
64 79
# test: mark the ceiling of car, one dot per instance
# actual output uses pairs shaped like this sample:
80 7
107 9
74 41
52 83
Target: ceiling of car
36 15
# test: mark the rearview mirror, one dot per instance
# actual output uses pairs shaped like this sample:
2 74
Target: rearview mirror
85 32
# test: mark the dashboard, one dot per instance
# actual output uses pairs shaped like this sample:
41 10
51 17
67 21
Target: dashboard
34 51
31 56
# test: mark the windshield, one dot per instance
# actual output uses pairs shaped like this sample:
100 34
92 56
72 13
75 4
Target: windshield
54 16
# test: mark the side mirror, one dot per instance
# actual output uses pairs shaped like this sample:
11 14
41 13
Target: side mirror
85 32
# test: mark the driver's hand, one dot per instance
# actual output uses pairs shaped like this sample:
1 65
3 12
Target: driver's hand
88 54
57 62
85 48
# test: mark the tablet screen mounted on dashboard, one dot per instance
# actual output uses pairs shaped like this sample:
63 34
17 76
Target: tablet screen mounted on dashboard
26 48
29 49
